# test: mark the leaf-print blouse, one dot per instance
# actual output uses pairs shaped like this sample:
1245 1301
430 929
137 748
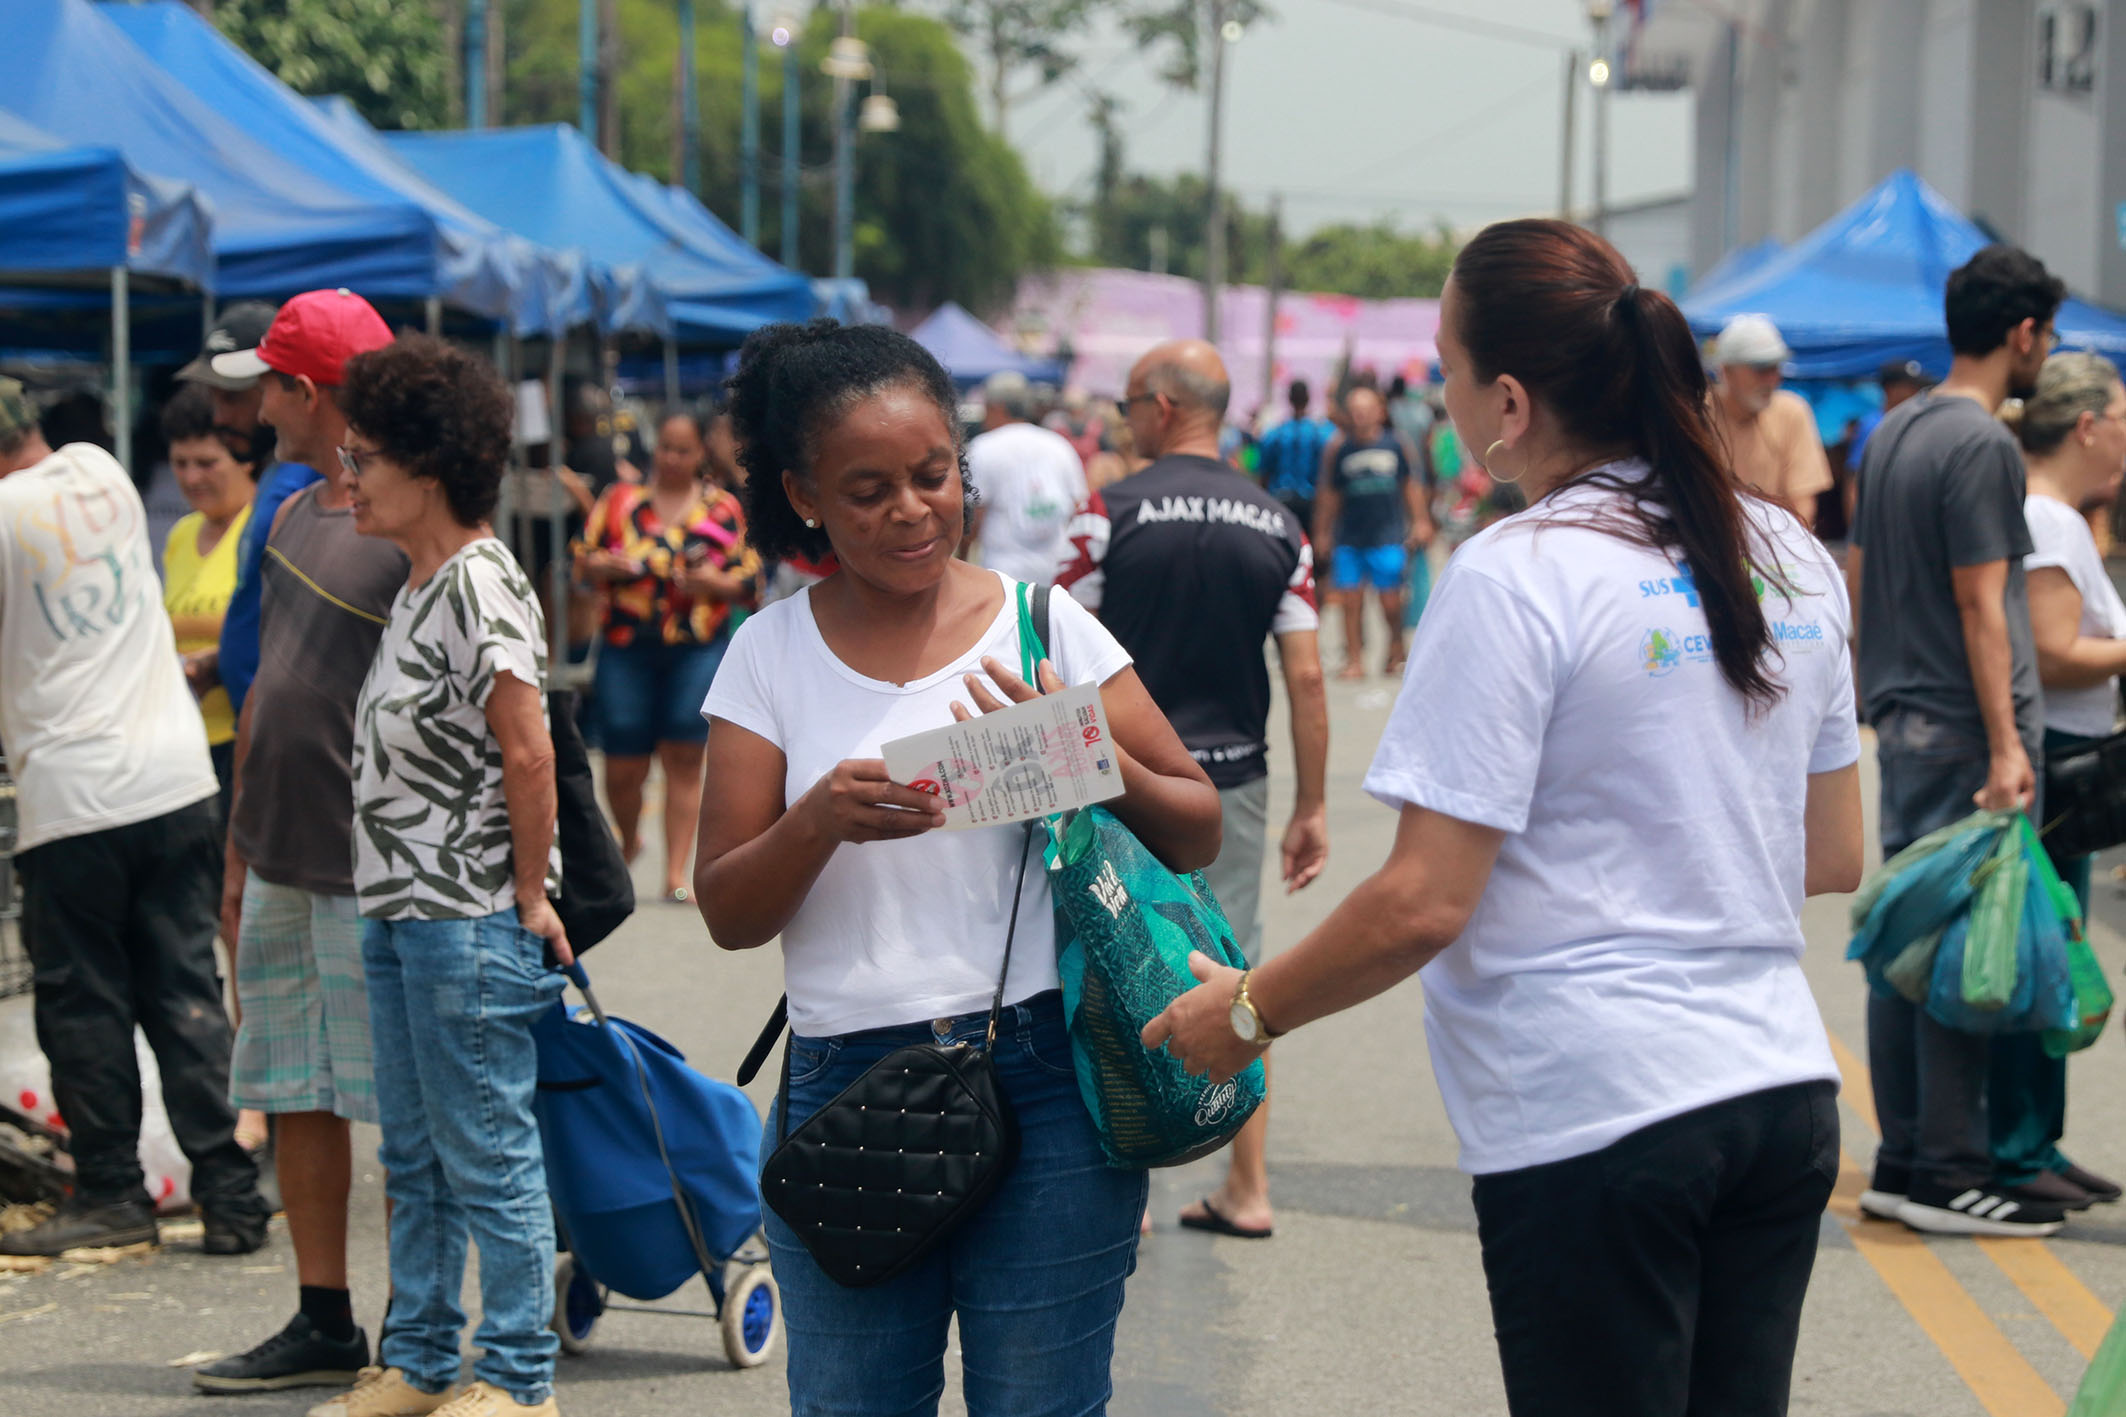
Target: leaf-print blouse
653 608
431 826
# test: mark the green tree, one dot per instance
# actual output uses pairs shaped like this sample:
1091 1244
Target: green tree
1137 205
388 56
1017 36
1378 261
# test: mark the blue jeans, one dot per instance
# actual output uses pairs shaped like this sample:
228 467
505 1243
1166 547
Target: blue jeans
1035 1276
451 1004
650 692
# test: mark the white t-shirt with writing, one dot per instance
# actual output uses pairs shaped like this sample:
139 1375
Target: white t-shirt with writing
99 726
1637 951
2063 540
1031 480
898 932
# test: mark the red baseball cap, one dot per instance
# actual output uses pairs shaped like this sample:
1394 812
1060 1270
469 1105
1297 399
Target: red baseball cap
312 337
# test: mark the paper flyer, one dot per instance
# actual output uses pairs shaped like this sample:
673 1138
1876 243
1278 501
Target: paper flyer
1048 755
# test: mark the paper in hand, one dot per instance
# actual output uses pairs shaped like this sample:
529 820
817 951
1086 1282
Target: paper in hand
1047 755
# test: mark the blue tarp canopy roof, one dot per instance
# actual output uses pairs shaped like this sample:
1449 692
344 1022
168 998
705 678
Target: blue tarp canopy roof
481 268
577 289
971 351
68 209
278 229
549 184
1866 287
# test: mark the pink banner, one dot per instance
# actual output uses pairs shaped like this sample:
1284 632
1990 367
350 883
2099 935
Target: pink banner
1108 318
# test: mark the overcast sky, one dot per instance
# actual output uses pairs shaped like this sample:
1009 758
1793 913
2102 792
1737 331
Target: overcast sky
1357 109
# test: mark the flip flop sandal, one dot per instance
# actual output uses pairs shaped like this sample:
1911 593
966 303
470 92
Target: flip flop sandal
679 896
1216 1223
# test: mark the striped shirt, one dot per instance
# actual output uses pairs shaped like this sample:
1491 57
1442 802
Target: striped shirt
1291 456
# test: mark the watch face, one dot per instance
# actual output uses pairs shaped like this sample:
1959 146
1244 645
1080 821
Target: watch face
1245 1024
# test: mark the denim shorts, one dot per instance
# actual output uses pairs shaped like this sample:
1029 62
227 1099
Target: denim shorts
1035 1277
1379 566
650 692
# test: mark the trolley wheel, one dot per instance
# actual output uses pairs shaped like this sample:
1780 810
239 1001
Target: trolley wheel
752 1316
578 1303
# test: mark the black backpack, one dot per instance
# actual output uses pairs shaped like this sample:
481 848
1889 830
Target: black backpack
597 894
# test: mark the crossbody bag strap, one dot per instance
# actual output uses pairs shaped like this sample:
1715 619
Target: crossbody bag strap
996 1004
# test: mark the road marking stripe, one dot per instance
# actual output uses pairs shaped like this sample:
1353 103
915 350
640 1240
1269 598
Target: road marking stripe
2053 1288
1998 1375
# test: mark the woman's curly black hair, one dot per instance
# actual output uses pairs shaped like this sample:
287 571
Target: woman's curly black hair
792 382
437 411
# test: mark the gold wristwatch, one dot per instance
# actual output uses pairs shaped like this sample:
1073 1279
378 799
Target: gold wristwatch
1247 1020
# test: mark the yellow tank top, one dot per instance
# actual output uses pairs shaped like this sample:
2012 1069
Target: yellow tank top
196 591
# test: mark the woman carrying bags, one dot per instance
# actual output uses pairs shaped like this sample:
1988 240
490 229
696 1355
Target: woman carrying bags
894 933
672 557
2073 433
1623 753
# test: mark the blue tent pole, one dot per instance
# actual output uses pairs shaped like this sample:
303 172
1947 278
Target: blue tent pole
122 364
476 63
749 130
587 68
791 138
434 313
671 372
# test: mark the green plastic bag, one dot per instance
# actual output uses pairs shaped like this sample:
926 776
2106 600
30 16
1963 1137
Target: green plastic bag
2093 997
1912 972
2103 1389
1997 924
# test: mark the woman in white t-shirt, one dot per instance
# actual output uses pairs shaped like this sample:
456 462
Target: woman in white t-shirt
1624 751
2073 432
894 933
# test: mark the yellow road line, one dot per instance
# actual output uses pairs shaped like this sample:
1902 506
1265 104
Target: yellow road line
2054 1290
1998 1375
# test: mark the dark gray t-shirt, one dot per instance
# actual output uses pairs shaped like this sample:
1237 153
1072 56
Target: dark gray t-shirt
1941 486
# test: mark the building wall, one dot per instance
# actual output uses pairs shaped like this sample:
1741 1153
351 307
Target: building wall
1656 238
1803 105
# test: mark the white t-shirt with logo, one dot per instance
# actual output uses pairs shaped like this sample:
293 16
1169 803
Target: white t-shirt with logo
1637 951
2064 540
1031 480
898 932
99 726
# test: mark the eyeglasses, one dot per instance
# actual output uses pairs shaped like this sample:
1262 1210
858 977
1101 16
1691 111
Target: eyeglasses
1133 399
351 458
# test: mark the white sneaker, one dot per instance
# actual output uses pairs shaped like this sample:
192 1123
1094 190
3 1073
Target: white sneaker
1883 1205
383 1392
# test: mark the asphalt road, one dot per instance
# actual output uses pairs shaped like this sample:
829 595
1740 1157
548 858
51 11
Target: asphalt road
1369 1300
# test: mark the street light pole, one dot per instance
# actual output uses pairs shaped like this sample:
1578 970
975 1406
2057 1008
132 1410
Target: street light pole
844 168
587 68
1214 229
792 137
476 63
1567 135
689 115
1600 75
749 131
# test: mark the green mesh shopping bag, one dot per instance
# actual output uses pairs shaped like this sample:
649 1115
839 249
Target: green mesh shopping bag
1124 927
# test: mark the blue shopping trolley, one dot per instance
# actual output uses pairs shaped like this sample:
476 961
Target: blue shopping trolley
653 1170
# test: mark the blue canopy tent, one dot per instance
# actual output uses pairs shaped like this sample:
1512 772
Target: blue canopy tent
971 351
550 184
71 213
278 229
481 269
1866 287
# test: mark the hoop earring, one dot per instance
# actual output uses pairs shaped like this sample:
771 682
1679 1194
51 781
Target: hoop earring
1496 476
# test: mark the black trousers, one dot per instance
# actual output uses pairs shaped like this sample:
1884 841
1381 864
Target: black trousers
120 930
1663 1275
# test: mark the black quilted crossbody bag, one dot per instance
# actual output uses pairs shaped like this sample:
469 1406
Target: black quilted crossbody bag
903 1156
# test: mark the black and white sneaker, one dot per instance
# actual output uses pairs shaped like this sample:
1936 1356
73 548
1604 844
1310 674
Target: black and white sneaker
1976 1210
1885 1195
297 1356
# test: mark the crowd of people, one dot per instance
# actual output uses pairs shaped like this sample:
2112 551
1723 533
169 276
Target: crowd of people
1626 746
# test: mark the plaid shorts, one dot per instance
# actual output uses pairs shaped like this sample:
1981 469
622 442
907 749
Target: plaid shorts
303 1042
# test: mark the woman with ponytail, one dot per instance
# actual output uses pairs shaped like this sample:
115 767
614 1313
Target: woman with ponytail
1623 754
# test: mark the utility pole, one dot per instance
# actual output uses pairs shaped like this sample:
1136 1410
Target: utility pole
749 129
688 169
1567 135
1604 81
1214 220
1276 291
1155 242
792 138
475 63
587 68
608 91
844 163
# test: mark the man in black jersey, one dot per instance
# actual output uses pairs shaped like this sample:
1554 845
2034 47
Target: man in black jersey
1192 566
